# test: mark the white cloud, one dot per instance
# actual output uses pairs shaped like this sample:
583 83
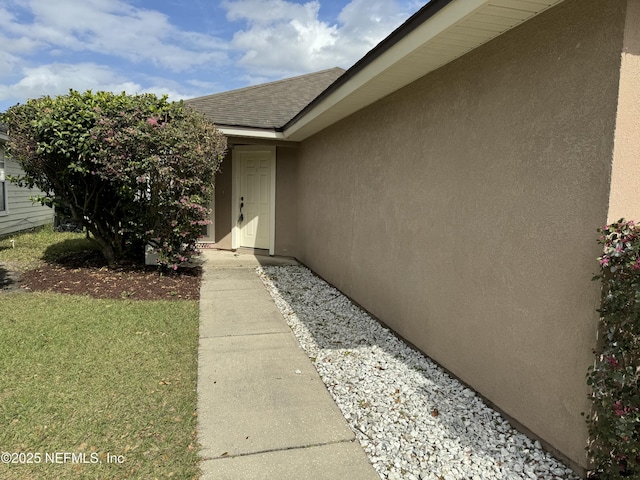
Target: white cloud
293 39
8 63
204 86
49 46
370 21
112 27
58 78
55 79
266 12
283 37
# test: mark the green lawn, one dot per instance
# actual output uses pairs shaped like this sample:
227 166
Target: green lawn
114 380
30 248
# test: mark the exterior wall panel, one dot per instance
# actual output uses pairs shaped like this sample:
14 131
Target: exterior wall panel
286 201
625 177
462 211
22 212
222 214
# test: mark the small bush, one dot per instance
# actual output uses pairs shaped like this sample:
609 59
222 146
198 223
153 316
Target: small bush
614 423
133 170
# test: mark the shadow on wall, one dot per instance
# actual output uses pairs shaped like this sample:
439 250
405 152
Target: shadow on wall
430 416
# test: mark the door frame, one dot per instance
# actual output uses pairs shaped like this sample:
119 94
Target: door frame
235 193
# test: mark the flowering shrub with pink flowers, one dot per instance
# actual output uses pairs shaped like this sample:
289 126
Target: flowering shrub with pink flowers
614 422
134 170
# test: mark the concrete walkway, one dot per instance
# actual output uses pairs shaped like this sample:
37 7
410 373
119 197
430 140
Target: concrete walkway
263 411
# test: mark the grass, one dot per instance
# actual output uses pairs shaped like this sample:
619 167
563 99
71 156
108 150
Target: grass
114 380
32 247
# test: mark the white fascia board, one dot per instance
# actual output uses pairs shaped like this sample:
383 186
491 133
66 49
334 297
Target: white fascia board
251 133
444 19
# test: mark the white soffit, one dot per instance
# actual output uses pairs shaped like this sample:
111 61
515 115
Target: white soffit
250 132
455 30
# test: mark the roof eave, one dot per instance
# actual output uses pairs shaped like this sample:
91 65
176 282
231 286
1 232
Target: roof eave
251 132
440 32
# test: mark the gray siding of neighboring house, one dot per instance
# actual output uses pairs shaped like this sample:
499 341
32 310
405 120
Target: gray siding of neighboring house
22 213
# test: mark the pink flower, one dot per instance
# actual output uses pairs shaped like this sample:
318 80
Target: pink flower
152 121
604 261
619 410
613 362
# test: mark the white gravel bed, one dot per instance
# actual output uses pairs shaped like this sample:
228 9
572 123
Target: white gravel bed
413 420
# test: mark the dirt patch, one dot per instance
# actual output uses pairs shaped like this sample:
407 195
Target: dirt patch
86 273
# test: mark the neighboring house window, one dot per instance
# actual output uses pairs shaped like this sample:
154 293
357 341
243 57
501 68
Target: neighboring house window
3 185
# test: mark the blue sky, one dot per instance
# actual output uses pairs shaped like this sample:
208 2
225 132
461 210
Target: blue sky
184 48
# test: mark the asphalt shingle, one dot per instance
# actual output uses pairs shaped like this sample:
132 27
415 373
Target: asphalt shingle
269 105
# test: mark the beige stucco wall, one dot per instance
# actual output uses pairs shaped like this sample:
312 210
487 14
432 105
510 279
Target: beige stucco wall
223 198
625 175
286 201
462 211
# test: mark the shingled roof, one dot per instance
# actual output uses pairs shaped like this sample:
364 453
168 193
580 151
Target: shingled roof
269 105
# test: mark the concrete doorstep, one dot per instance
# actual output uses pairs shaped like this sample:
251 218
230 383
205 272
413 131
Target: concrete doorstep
263 411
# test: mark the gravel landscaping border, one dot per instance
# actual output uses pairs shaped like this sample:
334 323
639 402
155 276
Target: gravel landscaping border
413 420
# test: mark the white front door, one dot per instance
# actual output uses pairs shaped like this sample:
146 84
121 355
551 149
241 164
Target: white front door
254 196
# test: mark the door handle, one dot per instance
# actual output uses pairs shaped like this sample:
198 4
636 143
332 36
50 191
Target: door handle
241 218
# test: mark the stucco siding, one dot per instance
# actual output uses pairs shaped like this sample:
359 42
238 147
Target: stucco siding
286 201
462 211
223 199
22 213
625 178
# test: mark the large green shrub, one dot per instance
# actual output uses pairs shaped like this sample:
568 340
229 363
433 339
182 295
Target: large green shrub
614 422
134 170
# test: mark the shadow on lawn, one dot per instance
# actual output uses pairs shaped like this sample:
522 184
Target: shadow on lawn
76 252
8 278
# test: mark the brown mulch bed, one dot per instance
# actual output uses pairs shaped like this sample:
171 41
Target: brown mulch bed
86 273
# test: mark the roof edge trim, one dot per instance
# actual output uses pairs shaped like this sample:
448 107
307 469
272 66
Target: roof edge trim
409 49
236 131
411 24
